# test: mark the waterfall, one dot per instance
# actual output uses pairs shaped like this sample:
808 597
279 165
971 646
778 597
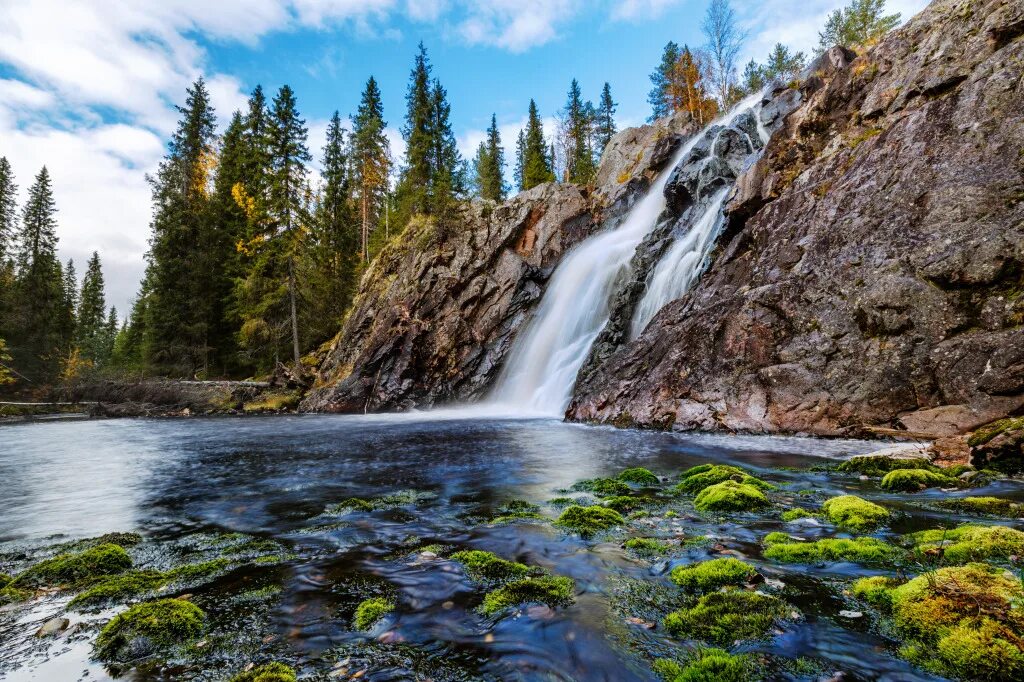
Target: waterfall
546 356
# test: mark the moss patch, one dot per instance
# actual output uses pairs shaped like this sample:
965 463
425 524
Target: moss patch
602 487
990 431
730 496
880 465
794 514
639 475
875 590
370 611
696 479
623 503
915 479
162 624
711 575
969 543
855 513
589 520
988 506
715 665
121 587
269 672
646 546
488 566
724 617
860 550
76 569
551 590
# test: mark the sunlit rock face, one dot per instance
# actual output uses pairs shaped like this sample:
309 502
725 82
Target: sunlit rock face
872 267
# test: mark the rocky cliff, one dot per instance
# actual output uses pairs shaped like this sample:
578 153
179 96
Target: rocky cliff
438 309
872 270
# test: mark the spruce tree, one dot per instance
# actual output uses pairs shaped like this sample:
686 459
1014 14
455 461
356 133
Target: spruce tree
371 162
8 209
181 268
419 133
490 165
109 337
661 79
538 163
784 64
517 173
447 172
90 335
580 166
67 319
859 24
604 127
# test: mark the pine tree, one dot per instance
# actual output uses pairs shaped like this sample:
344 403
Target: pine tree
580 166
490 165
181 269
419 133
538 163
859 24
8 209
604 127
517 173
371 162
660 79
90 335
753 78
784 64
67 317
109 337
448 174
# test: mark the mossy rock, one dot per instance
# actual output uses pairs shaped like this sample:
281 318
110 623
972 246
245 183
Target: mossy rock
5 580
724 617
696 479
730 496
855 513
550 590
715 665
639 476
623 503
76 569
909 480
969 542
986 506
987 432
602 487
119 588
859 550
350 504
518 516
149 628
711 575
513 507
269 672
875 590
589 520
879 465
370 611
798 513
488 566
646 546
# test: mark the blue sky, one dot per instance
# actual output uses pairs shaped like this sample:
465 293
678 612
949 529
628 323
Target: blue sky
88 86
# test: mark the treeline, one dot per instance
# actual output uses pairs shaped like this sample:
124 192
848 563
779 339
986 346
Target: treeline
49 326
703 81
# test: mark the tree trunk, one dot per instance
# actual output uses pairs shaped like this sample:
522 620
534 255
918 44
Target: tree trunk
295 319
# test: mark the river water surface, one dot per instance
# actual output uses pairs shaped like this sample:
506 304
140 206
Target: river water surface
273 478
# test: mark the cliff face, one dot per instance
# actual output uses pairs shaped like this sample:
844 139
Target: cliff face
438 309
872 270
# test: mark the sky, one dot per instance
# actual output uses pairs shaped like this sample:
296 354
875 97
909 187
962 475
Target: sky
89 87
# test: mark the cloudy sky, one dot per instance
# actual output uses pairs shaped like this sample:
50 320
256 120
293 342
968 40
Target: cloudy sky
88 87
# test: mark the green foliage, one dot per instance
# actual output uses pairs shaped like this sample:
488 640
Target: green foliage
661 79
489 566
589 520
78 568
550 590
638 475
724 617
715 665
730 496
370 611
701 476
490 165
371 163
989 506
875 590
268 672
855 513
880 465
537 165
860 550
859 24
915 479
8 209
579 167
646 546
711 575
604 123
970 543
164 624
93 333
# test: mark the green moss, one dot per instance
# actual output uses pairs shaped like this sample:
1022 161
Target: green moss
551 590
990 431
667 669
988 506
351 504
860 550
518 507
794 514
724 617
970 543
561 501
602 487
711 575
715 665
274 402
370 611
119 588
730 496
880 465
191 572
163 624
623 503
489 566
589 520
639 475
696 479
269 672
777 537
875 590
12 594
855 513
76 569
5 580
646 546
517 516
915 479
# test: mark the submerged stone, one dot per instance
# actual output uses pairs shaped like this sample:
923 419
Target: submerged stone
724 617
550 590
149 628
589 520
269 672
713 574
370 611
730 496
855 513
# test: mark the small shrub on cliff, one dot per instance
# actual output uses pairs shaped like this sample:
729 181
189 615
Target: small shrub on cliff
157 625
589 520
915 479
855 513
730 496
550 590
713 574
269 672
724 617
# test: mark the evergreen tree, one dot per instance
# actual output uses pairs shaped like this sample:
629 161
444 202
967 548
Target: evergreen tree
784 64
660 80
256 155
753 78
604 127
67 316
90 336
490 165
8 210
579 156
109 337
538 163
181 268
419 134
128 344
371 162
517 173
859 24
447 172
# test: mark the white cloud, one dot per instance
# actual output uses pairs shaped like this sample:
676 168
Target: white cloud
632 10
515 25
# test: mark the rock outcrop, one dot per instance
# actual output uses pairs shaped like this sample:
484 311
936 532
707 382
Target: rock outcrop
438 309
872 269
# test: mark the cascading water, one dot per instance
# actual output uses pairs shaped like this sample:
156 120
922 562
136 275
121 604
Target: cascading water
546 356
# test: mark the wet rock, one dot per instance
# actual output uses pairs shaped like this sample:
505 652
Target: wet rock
53 626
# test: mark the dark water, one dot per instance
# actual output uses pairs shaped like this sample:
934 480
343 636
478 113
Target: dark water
273 477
